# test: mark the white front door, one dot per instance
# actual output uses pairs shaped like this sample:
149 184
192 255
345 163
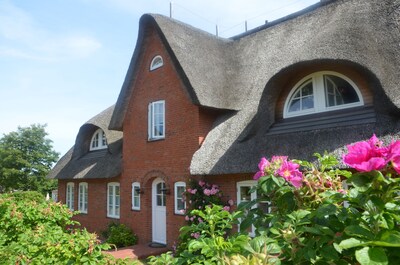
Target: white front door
159 212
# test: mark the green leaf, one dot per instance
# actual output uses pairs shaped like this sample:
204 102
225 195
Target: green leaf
371 256
392 238
329 253
358 231
326 210
362 181
351 243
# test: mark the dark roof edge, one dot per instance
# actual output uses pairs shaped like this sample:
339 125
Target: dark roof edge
117 118
284 19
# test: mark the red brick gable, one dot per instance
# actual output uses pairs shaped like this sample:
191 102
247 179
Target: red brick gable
169 158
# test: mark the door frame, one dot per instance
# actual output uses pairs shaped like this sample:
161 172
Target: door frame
157 236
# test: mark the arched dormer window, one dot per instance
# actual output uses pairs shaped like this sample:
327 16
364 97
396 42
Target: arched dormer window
98 141
157 62
321 92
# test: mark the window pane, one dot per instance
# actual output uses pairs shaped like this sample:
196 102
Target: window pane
339 91
245 194
307 90
308 103
294 105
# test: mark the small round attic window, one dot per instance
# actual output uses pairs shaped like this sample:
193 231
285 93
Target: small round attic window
157 62
99 140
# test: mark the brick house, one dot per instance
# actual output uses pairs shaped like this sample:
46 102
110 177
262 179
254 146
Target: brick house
197 106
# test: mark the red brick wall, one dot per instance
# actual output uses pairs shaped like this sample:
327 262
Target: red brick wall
144 160
96 219
227 184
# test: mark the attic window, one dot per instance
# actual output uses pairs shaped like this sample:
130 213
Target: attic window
98 141
321 92
157 62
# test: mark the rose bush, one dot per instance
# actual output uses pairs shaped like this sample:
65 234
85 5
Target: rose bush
305 214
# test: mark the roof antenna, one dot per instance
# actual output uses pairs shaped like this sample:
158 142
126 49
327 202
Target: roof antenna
170 9
216 30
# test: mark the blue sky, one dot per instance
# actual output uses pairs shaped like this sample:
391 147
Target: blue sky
64 61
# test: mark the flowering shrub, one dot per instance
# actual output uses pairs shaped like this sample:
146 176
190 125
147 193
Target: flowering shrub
305 215
34 231
314 220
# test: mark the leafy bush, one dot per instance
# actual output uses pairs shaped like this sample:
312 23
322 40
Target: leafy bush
305 215
26 196
40 232
120 235
315 220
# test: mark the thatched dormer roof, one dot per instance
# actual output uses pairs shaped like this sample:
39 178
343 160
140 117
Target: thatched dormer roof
81 163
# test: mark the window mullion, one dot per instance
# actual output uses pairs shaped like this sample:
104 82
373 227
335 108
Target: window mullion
319 93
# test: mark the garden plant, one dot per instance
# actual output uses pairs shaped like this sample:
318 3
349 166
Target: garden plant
36 231
307 213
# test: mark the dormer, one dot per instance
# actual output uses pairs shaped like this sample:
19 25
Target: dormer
99 140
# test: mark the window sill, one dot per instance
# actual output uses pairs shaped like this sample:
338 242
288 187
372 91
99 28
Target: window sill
112 217
155 139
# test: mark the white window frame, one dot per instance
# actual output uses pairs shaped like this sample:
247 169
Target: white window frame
319 91
156 62
69 195
152 120
179 197
250 184
83 197
98 141
136 194
113 200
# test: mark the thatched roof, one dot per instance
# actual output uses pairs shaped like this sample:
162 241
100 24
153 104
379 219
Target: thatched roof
244 75
358 33
79 162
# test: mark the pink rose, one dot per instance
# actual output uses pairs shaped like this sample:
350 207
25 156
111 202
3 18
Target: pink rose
290 172
264 163
366 156
394 155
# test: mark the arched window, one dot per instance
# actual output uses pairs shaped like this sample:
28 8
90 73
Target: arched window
83 197
157 62
99 140
69 197
136 196
113 200
179 191
320 92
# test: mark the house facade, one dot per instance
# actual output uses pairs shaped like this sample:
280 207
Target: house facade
194 105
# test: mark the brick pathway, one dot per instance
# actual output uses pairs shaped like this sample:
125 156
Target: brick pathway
140 251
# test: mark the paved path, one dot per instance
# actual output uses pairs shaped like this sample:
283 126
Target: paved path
140 251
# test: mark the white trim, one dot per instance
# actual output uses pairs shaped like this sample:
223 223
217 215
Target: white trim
113 200
250 184
179 197
69 196
98 141
156 62
136 194
83 197
152 120
159 214
319 95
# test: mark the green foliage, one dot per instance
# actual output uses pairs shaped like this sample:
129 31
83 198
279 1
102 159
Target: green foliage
320 223
316 222
120 235
26 157
40 232
209 242
164 259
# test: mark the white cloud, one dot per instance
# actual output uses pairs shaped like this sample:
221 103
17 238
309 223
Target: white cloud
22 37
